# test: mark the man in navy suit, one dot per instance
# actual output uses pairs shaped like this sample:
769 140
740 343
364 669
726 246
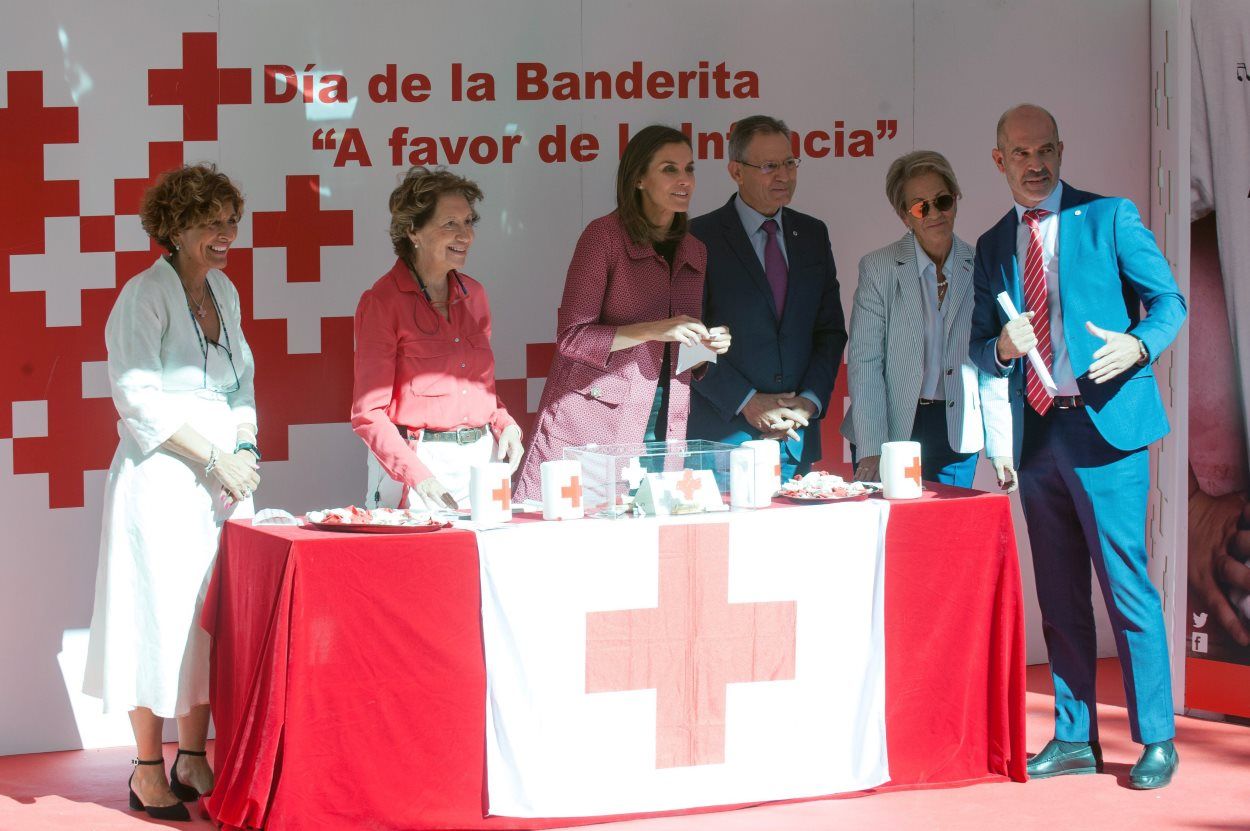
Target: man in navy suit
771 280
1079 266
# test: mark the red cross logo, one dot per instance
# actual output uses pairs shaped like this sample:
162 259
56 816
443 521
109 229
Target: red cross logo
913 471
503 495
302 229
199 86
26 126
573 491
691 646
688 484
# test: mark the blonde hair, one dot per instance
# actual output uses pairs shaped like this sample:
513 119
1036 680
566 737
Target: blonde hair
917 163
186 197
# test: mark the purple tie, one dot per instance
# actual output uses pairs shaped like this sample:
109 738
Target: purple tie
775 265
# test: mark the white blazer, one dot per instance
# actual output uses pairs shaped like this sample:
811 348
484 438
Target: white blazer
885 358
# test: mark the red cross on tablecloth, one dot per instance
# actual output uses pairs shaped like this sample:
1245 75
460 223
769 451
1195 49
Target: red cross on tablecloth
688 484
503 495
26 127
199 86
302 229
913 471
573 491
691 646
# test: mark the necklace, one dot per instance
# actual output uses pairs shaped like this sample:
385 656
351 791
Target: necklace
197 306
941 290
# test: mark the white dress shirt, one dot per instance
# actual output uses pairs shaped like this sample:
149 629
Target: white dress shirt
1061 366
934 321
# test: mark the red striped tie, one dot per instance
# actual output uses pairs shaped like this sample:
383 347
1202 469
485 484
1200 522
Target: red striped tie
1035 301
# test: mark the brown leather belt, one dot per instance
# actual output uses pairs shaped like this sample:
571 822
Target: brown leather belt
1068 402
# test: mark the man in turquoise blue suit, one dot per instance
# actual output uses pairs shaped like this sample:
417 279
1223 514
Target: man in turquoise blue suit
1080 267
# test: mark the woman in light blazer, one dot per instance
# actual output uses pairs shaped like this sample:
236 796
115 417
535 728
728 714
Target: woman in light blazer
909 372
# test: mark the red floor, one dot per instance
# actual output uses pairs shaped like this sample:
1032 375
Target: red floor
85 790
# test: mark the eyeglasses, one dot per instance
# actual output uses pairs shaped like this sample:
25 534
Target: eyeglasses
769 168
921 209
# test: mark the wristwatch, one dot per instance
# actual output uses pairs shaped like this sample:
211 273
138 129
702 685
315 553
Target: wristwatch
1143 353
249 447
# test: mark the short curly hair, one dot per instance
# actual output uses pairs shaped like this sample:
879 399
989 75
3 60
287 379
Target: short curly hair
414 200
186 197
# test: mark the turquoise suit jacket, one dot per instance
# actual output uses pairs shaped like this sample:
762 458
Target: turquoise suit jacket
1108 261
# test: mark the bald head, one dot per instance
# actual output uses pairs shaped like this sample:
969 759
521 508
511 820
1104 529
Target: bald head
1024 114
1029 153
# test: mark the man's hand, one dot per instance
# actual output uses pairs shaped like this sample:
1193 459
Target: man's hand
767 413
1118 353
434 495
1008 481
1016 338
509 447
868 469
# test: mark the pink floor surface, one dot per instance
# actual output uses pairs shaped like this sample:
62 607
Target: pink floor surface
85 790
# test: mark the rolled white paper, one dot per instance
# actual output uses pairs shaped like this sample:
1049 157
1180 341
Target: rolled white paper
1035 358
900 469
562 489
490 492
767 461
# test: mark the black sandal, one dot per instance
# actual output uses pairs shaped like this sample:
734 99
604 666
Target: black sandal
183 791
175 813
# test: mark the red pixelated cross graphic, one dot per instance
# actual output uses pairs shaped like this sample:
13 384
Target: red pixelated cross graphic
302 229
199 86
913 471
26 126
503 495
127 193
573 491
691 646
688 484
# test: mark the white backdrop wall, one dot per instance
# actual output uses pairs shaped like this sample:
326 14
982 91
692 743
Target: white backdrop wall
942 72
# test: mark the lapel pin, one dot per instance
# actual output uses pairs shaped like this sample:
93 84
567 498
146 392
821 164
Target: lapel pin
1076 212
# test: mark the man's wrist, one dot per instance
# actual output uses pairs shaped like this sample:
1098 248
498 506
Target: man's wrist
1143 351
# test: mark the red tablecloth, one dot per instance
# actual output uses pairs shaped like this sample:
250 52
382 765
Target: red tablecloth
348 683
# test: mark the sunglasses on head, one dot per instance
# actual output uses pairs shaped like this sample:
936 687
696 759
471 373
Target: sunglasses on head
921 209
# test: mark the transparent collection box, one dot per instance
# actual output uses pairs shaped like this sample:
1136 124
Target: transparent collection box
694 477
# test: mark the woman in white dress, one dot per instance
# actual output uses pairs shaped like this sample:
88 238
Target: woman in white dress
181 377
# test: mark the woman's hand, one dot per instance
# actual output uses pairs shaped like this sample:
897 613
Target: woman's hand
509 447
717 339
681 329
238 473
434 495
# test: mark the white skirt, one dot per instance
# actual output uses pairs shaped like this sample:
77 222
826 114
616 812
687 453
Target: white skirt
162 521
448 461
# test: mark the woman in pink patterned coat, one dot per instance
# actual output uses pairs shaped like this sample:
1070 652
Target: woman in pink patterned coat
634 291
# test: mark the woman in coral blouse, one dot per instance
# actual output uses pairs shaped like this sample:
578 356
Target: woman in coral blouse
424 394
634 291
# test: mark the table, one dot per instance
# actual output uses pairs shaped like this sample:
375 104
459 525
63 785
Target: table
348 682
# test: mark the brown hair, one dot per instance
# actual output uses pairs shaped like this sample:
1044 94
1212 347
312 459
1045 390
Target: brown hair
186 197
743 131
413 202
634 163
917 163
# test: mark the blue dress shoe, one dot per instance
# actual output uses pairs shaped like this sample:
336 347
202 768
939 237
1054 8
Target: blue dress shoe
1063 758
1154 769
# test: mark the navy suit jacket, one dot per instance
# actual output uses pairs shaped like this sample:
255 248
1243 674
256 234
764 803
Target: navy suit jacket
801 351
1109 265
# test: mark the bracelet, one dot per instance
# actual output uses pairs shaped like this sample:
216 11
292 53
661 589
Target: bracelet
212 460
249 447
